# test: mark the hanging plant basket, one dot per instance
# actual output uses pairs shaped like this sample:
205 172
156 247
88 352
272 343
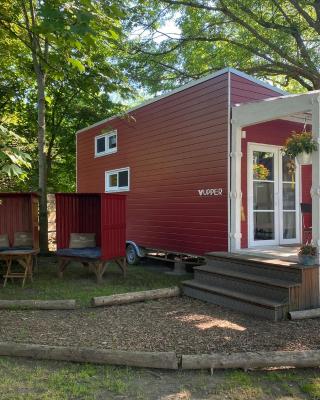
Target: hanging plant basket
300 145
260 172
304 158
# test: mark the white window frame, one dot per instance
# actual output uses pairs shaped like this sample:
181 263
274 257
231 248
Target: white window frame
113 189
106 138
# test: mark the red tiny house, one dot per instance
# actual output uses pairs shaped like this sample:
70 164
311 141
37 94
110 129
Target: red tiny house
19 213
178 150
165 209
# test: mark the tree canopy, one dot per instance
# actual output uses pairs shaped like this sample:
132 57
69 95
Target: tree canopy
275 40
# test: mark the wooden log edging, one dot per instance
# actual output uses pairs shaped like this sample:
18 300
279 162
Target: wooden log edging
303 314
159 360
252 360
126 298
38 304
163 360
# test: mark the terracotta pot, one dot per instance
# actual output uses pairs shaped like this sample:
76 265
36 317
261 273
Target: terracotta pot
304 158
307 260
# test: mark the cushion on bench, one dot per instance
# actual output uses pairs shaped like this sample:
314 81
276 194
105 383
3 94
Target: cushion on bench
82 240
4 242
86 252
23 241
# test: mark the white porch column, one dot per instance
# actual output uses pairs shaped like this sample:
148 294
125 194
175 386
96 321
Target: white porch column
235 190
315 190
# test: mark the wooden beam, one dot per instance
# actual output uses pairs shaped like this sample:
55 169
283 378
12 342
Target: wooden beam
133 297
303 314
39 304
270 109
163 360
251 360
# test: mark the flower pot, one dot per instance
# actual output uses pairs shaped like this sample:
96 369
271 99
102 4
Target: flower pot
307 260
304 158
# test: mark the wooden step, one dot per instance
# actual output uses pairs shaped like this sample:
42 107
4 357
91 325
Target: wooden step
246 276
245 283
252 265
247 303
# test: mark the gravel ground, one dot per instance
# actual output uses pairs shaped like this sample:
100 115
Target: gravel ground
182 324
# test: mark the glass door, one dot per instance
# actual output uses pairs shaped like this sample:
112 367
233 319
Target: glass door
263 195
273 197
289 200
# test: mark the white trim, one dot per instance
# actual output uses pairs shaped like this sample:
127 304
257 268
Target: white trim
315 190
107 150
186 86
116 189
229 161
235 192
273 108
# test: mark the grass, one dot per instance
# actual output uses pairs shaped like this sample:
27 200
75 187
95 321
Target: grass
50 380
59 381
80 284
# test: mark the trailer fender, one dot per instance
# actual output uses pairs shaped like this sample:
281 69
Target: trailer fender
139 250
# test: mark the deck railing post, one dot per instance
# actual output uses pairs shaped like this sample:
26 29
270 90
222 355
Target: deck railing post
315 190
235 189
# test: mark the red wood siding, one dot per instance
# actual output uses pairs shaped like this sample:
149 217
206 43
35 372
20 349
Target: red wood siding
176 146
245 91
19 213
102 214
77 214
274 133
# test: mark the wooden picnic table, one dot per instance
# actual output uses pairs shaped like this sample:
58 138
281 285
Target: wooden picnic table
24 258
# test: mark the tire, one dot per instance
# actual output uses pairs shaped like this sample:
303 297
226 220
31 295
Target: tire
131 255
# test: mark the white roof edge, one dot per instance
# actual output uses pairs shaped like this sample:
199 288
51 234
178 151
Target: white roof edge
186 86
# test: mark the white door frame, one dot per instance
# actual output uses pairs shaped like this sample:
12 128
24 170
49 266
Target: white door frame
278 197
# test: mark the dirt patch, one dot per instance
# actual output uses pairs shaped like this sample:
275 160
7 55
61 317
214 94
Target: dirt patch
184 325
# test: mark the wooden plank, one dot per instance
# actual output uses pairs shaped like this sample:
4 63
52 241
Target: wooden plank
162 360
250 360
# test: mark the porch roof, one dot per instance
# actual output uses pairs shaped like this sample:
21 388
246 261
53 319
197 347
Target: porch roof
294 106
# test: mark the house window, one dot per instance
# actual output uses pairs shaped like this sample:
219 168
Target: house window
106 144
118 180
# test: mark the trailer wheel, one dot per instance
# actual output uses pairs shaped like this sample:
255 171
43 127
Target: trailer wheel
132 256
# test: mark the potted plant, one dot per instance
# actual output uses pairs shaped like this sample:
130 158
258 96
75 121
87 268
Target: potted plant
260 172
307 254
300 145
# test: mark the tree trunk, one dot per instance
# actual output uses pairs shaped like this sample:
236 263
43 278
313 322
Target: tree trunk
43 212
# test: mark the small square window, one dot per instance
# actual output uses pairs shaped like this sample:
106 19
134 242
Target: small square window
106 144
101 145
112 141
123 178
118 180
113 180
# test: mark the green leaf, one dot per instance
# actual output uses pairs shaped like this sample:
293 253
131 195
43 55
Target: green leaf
77 64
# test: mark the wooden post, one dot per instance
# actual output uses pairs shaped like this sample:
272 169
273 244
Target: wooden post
315 190
235 193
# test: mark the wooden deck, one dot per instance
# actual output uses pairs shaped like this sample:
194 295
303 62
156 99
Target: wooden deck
264 286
